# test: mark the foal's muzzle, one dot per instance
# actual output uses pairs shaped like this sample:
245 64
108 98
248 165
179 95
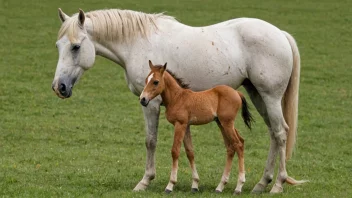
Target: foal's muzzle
144 101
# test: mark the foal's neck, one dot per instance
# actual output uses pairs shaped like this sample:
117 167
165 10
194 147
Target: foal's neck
171 91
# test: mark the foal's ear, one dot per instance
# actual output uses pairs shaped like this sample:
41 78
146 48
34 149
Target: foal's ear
163 68
63 17
81 17
151 64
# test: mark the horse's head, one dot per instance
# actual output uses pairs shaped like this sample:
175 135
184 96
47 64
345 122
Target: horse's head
76 53
154 83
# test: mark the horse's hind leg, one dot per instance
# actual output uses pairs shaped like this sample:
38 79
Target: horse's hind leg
270 163
278 133
273 117
187 141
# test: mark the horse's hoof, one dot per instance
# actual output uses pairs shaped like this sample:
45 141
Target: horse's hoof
258 189
218 191
194 190
276 189
140 187
167 191
237 192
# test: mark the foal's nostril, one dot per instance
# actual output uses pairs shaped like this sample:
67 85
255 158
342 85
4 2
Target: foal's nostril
143 99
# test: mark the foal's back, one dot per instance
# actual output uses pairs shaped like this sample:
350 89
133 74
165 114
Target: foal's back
205 106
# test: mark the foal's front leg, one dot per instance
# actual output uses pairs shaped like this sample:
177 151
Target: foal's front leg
187 141
180 130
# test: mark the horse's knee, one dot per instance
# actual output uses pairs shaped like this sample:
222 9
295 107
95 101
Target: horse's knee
150 143
280 138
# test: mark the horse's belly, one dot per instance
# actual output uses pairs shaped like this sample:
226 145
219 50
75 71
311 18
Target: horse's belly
211 61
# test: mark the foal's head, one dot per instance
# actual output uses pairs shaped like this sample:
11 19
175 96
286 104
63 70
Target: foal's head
154 83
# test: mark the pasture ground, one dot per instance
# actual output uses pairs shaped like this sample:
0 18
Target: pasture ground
92 145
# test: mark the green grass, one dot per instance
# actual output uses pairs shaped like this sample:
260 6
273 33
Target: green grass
92 144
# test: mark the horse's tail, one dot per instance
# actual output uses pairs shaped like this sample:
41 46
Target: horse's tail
290 99
246 115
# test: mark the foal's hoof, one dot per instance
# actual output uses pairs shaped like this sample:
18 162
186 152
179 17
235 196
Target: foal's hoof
167 191
194 190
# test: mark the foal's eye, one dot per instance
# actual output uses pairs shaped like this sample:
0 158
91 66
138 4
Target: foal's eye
156 82
75 47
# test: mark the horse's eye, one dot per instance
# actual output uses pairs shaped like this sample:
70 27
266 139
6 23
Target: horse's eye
156 82
75 47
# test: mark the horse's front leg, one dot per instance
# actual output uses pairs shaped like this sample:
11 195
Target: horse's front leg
151 117
180 130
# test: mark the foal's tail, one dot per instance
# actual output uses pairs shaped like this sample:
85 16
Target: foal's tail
246 115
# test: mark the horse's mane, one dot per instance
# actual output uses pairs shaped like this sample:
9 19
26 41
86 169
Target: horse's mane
114 24
178 80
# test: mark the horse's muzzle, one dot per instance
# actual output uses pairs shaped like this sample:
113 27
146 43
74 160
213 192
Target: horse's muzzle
64 90
144 101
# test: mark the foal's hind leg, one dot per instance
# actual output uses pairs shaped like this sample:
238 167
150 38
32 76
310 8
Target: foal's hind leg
187 141
233 144
241 170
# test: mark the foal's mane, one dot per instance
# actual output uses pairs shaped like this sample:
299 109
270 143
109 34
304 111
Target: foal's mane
114 24
178 80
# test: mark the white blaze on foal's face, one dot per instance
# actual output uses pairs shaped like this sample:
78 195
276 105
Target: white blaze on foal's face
154 84
150 77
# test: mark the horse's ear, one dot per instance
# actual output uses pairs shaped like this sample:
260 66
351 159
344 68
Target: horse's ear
151 64
81 17
163 68
63 17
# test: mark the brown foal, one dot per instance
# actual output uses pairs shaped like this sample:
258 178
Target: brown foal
185 107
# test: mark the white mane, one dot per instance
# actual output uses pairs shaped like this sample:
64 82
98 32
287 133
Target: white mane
114 24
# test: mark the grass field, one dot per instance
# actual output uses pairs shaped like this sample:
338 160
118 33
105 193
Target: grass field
92 145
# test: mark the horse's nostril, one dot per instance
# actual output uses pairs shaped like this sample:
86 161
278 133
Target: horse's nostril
143 99
52 87
62 88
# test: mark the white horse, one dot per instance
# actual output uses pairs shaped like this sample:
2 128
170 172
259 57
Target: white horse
245 51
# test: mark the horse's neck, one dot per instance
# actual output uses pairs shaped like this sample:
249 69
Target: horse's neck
112 50
121 51
172 90
115 51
